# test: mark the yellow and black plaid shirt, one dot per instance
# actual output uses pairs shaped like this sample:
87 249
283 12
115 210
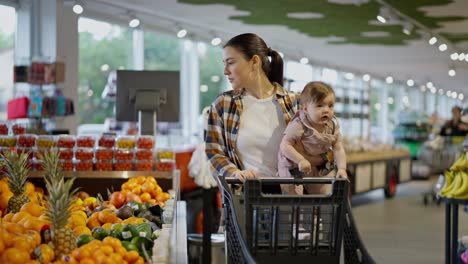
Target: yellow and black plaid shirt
223 126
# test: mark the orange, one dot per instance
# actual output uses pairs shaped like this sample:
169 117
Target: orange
141 179
29 188
116 258
131 256
81 230
107 226
33 209
8 217
47 253
92 223
14 228
36 236
19 216
107 250
15 256
106 216
87 261
148 187
2 247
145 197
24 243
81 253
136 189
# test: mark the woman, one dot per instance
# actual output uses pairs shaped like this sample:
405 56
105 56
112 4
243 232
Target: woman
246 124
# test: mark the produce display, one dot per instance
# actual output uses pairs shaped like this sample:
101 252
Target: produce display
456 180
67 226
81 153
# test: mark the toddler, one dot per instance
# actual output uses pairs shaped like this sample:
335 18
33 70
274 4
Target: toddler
313 131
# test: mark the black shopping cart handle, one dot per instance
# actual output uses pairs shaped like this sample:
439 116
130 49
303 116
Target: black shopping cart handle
287 180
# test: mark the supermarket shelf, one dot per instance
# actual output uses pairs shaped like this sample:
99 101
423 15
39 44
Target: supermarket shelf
108 174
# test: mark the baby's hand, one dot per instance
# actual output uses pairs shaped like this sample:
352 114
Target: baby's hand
304 166
341 173
246 174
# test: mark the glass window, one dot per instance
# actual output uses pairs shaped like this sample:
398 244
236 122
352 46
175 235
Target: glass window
212 80
103 48
7 46
162 52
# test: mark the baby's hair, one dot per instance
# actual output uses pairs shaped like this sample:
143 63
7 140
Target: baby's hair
315 92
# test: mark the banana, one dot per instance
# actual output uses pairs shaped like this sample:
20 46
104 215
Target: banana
449 183
463 190
457 183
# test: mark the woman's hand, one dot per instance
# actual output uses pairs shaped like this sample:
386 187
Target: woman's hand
304 166
246 174
341 173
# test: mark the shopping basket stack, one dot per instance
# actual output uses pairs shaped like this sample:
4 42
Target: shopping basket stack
276 228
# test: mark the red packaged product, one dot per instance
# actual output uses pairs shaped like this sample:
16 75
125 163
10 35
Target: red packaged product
26 140
165 166
66 153
3 129
144 165
83 165
104 165
145 142
67 165
106 141
123 154
85 142
104 153
123 165
84 154
66 141
144 154
18 129
38 165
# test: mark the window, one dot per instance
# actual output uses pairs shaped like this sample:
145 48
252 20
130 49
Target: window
162 52
7 46
212 80
103 48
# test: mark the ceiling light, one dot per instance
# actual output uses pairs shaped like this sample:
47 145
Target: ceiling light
461 97
433 90
433 40
349 76
389 79
449 93
377 106
452 72
381 19
215 78
304 60
410 82
429 85
422 88
443 47
134 22
407 28
366 77
216 41
77 9
454 56
441 91
182 33
390 100
203 88
454 95
105 67
405 99
466 58
462 56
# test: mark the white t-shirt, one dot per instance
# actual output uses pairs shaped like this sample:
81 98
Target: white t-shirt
261 129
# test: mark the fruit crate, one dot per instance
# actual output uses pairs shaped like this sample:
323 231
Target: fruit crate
259 226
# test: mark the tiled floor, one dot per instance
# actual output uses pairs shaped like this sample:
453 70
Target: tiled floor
402 229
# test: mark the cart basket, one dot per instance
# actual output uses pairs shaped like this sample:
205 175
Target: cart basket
277 228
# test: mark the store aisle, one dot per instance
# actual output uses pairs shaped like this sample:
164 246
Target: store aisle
403 230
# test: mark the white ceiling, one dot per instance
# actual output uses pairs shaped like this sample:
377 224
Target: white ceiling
417 60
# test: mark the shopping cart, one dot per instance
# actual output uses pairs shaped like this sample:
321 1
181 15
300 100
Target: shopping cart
267 228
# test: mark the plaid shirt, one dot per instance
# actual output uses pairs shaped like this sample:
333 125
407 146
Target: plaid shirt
223 126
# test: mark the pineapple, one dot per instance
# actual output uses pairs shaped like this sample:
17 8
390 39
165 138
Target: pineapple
58 213
58 204
17 170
